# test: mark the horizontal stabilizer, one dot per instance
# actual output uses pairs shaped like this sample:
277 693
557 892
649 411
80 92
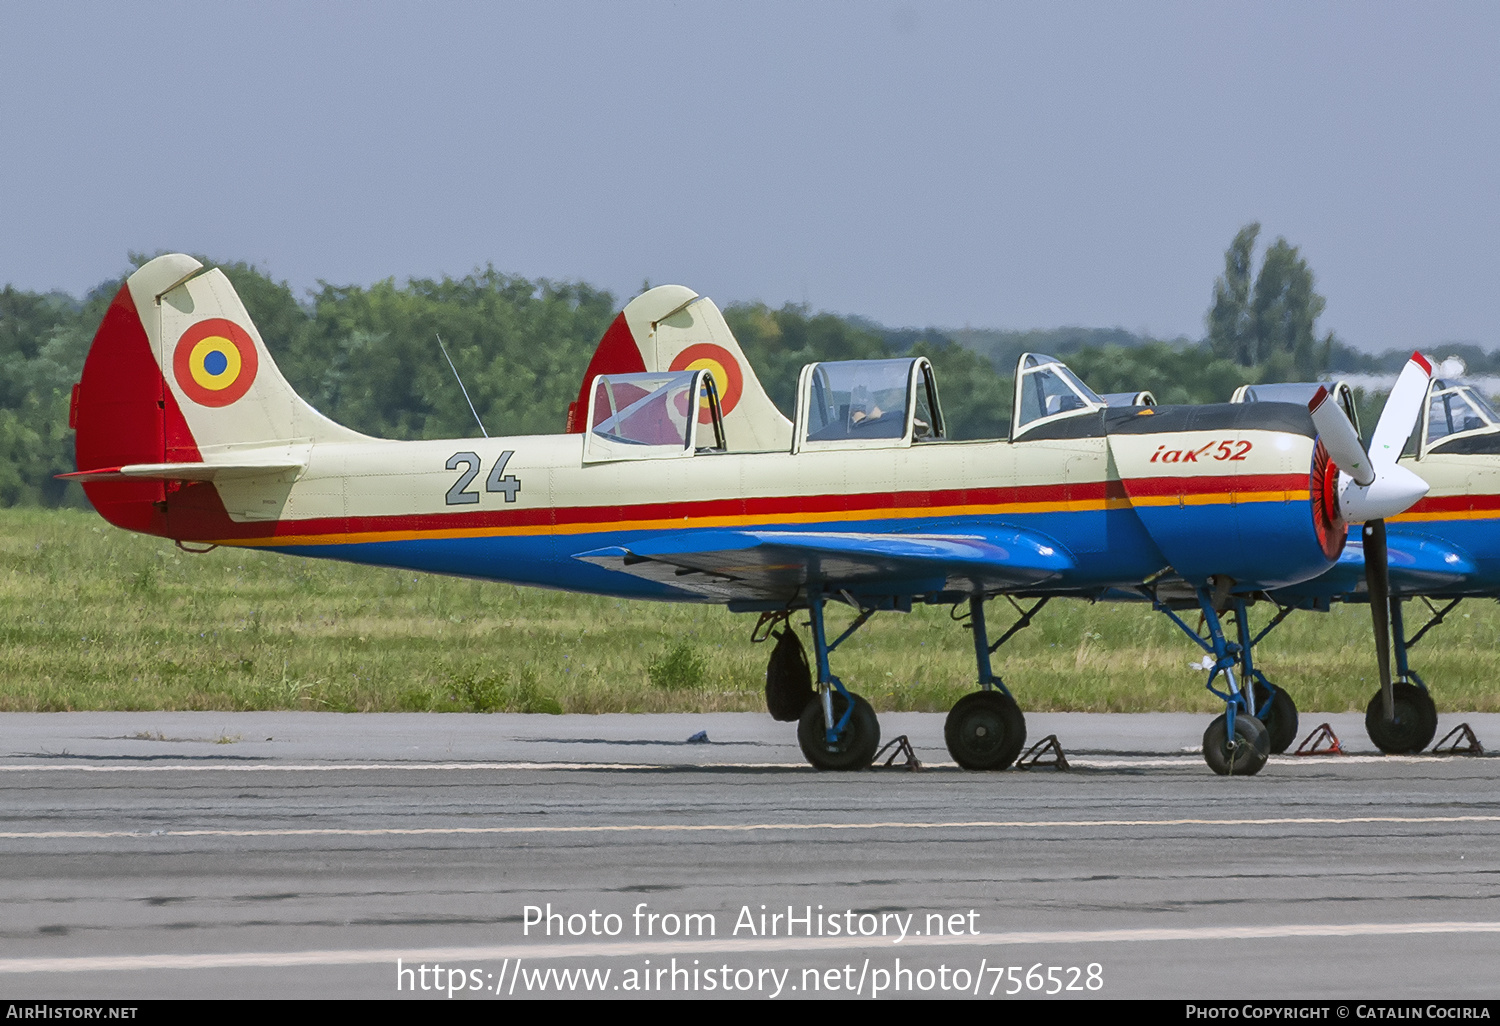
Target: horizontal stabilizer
775 564
186 471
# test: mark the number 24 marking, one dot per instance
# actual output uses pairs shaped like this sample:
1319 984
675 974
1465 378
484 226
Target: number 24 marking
509 484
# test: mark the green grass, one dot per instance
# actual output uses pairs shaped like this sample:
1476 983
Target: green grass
95 618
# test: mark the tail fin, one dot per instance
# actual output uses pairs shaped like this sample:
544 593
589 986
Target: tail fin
177 374
673 328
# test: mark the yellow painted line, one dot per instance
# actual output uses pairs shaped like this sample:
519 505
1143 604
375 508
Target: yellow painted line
1458 514
741 828
503 958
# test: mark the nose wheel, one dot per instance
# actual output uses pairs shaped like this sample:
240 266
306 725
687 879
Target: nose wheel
855 745
1245 754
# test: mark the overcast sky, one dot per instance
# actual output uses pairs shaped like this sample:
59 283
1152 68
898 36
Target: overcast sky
1004 165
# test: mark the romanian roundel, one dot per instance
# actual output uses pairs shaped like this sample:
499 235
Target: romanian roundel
215 362
717 360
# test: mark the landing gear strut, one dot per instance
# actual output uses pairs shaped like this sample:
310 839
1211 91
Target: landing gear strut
838 730
1270 704
986 730
1236 743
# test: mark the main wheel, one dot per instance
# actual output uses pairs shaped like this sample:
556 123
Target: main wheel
1280 719
855 747
1415 724
1243 758
985 731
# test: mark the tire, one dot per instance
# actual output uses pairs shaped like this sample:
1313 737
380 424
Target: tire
1280 720
985 731
1416 720
855 747
788 678
1249 752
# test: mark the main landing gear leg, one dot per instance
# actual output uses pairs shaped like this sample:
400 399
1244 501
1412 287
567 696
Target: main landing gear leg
986 730
1272 705
1236 743
838 729
1415 722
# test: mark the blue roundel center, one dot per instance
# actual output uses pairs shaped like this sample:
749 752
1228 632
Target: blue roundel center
216 363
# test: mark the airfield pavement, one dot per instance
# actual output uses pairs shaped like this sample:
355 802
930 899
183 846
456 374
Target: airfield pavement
151 855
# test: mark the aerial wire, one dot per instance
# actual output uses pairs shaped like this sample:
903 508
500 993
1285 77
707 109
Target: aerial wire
461 386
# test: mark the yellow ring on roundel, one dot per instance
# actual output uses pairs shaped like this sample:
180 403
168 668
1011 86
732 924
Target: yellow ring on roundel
198 363
719 362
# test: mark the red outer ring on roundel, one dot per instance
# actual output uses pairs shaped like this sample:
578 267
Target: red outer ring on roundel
239 338
729 394
1331 527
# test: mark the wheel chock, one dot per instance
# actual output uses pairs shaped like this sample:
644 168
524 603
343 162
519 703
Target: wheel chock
1035 755
1460 741
898 747
1324 735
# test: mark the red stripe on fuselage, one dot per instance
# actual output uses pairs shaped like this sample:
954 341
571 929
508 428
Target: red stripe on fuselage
1214 485
1455 503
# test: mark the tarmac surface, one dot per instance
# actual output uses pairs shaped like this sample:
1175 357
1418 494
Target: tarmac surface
150 855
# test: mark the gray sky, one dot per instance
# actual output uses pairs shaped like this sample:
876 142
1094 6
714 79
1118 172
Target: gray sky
1006 165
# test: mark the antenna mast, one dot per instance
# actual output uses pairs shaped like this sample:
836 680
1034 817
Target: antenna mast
461 386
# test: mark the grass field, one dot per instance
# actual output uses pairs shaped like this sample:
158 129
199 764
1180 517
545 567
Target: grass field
95 618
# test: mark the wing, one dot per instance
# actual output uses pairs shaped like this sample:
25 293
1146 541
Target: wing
1419 564
751 565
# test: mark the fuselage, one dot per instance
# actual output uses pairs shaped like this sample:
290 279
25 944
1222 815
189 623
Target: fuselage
431 505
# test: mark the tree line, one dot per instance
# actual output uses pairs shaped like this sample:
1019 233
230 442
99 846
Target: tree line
368 357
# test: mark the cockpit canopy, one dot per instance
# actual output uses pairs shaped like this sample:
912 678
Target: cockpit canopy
1047 391
1300 392
653 416
1455 410
856 404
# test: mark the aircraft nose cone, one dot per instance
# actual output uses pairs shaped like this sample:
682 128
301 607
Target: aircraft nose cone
1394 490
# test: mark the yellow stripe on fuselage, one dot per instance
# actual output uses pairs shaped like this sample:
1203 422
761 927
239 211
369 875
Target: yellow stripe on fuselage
766 519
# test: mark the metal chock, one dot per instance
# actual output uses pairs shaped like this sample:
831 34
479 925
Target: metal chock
898 747
1035 755
1324 735
1460 741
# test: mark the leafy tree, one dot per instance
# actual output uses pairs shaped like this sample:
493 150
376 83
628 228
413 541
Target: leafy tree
1230 328
976 399
778 342
1271 324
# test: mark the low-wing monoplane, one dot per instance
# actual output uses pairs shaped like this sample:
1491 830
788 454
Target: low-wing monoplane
1445 547
679 480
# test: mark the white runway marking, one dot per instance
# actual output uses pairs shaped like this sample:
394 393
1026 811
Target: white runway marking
1083 762
414 957
736 828
335 767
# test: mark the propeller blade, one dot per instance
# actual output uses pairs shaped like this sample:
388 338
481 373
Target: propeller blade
1378 581
1402 408
1340 438
1394 489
